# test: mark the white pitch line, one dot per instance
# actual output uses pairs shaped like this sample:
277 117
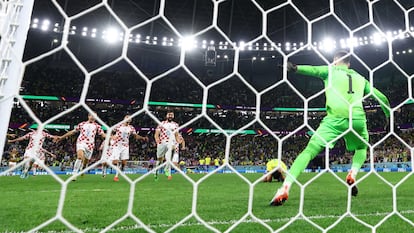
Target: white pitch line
58 190
168 225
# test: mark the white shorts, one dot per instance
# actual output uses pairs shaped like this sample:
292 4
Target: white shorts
84 147
120 152
31 153
12 164
42 159
162 150
175 158
108 157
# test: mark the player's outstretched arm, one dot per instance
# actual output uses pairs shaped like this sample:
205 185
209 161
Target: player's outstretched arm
22 138
139 137
383 101
49 153
314 71
103 135
157 136
66 135
182 143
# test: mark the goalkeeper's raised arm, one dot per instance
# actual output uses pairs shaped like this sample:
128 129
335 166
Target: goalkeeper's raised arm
344 90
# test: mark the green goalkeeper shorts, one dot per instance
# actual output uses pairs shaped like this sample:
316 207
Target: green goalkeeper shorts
330 128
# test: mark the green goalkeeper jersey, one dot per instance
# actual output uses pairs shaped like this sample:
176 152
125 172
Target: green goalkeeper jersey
344 87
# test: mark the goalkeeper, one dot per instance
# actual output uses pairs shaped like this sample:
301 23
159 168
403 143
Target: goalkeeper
278 174
344 90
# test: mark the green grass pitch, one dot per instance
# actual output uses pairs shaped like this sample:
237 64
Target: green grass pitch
92 203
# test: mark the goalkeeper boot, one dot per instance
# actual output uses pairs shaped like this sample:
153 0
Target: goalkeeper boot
280 197
167 173
350 181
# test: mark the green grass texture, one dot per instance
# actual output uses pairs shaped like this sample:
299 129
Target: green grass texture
217 203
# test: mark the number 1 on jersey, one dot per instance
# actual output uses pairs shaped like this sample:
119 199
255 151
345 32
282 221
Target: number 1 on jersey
350 91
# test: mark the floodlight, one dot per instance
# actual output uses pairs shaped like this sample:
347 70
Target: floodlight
45 25
112 35
187 43
376 38
328 44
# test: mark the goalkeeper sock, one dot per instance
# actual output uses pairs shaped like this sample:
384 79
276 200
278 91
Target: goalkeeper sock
300 163
167 169
357 161
77 165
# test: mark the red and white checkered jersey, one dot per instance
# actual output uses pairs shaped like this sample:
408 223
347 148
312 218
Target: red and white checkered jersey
167 129
87 134
110 147
31 137
123 132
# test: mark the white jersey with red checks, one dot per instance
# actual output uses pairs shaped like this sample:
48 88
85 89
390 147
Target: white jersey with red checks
32 136
109 150
167 131
123 132
87 134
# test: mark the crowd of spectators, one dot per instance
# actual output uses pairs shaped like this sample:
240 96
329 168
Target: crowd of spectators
128 90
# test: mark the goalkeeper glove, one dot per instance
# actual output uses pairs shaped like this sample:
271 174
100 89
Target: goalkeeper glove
291 67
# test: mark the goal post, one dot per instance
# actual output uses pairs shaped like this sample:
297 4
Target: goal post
14 26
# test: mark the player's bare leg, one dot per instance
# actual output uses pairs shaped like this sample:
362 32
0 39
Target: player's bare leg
121 167
159 161
27 166
85 163
34 169
104 166
78 163
167 169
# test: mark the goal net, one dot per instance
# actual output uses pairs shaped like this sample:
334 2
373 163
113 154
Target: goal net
221 68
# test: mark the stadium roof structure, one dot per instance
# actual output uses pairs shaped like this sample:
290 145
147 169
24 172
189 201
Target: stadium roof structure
241 22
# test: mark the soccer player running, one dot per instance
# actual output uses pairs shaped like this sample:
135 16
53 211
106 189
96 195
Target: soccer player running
42 158
166 135
107 156
344 90
120 149
176 155
85 142
278 174
32 150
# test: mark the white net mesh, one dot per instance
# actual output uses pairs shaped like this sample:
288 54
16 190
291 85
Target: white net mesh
153 76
